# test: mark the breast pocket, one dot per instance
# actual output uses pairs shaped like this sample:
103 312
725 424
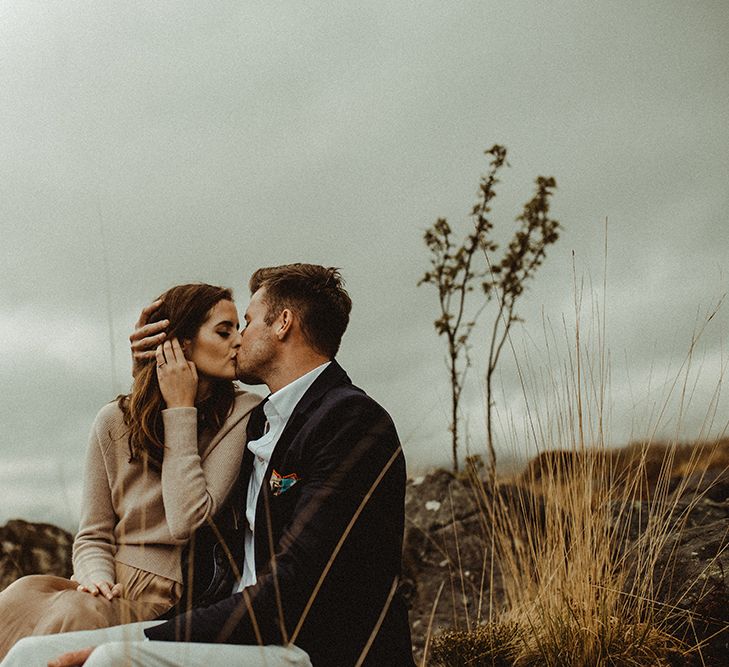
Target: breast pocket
284 484
283 495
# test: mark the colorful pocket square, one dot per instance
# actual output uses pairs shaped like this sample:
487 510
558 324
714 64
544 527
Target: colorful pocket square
281 484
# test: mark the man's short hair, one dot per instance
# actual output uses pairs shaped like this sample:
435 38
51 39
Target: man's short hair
315 294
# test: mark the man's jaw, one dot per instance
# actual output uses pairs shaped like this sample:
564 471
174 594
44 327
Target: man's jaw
247 377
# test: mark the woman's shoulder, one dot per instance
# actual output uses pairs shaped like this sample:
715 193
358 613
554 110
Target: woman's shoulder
110 418
244 402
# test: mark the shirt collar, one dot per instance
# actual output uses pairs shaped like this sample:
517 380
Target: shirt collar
282 402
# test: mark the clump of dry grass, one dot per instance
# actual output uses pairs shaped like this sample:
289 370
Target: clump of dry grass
579 590
492 644
573 603
577 552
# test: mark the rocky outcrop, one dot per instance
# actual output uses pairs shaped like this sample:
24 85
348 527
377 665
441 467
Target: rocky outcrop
686 542
444 550
709 484
450 574
33 548
691 581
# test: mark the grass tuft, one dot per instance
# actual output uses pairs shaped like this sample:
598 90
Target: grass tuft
491 644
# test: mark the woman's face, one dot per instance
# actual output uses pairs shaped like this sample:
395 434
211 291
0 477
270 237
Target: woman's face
214 348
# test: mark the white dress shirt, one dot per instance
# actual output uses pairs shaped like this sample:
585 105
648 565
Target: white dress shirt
278 409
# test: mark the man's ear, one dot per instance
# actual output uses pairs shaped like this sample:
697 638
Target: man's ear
284 323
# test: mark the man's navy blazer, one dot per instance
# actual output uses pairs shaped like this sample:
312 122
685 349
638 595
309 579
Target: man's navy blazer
328 548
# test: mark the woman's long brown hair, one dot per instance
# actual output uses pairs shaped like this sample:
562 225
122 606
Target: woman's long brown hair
187 307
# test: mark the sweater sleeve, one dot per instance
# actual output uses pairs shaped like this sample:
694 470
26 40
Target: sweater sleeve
94 546
192 488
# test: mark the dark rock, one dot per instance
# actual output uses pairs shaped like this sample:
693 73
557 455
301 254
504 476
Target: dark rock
449 574
33 548
444 552
710 484
691 578
437 499
632 519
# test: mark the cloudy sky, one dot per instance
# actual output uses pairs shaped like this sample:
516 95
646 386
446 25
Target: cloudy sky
145 144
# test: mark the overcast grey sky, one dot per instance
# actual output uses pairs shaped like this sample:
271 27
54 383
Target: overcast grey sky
198 141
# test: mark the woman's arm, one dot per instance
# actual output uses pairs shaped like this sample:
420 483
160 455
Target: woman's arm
192 488
94 546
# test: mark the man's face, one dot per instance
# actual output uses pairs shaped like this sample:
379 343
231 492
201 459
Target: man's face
257 352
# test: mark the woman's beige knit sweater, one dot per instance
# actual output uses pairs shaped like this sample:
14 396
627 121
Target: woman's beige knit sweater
132 513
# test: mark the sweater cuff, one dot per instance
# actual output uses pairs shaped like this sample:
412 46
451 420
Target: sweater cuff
100 574
180 426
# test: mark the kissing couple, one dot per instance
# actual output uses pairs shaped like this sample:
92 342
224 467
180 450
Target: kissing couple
219 527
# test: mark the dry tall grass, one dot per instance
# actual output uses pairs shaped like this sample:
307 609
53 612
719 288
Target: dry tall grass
580 584
577 546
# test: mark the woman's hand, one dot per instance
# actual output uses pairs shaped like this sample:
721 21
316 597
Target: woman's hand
72 658
176 375
108 589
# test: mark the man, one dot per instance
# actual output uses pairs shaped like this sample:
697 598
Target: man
315 523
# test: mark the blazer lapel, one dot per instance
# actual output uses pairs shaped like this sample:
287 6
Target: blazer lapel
332 376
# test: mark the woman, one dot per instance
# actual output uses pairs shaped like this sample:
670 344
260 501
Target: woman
160 462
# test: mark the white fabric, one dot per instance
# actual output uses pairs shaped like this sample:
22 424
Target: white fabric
278 409
123 646
37 651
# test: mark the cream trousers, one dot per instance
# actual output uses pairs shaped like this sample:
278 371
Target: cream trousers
126 646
